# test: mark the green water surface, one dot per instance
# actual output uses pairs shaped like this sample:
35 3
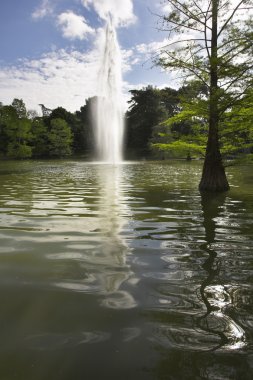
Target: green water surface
124 272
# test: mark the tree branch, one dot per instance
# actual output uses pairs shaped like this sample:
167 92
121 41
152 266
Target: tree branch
234 100
187 40
189 14
230 51
230 17
205 32
234 55
230 83
182 25
183 65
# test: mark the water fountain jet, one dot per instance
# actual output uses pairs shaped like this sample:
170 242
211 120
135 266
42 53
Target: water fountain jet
108 114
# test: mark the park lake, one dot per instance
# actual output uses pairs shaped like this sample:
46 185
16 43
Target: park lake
124 272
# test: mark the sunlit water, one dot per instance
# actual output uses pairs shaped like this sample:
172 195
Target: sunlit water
124 272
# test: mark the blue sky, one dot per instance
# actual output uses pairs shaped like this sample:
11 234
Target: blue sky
50 48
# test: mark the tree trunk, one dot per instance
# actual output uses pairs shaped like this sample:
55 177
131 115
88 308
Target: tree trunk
213 175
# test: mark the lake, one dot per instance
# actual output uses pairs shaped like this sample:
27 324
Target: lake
124 272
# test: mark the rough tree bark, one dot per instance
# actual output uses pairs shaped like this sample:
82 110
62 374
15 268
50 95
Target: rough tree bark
213 175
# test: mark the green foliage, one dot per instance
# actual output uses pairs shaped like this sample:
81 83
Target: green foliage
174 137
215 48
195 53
19 130
7 116
163 123
15 132
40 138
59 138
181 149
20 108
184 133
85 125
78 128
237 126
23 134
222 59
19 150
148 107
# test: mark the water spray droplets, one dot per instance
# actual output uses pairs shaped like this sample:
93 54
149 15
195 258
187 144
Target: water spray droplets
108 115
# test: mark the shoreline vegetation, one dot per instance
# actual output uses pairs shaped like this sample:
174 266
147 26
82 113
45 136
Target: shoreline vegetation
161 124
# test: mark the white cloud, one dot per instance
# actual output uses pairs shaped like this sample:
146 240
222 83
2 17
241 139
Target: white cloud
120 10
43 10
166 8
67 79
129 59
73 26
152 47
58 78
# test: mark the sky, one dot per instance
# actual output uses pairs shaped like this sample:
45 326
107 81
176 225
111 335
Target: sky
50 49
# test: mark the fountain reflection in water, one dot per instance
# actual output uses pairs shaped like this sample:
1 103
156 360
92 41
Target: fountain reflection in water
103 258
113 249
108 113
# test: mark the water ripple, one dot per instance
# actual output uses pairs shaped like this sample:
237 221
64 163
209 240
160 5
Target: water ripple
134 248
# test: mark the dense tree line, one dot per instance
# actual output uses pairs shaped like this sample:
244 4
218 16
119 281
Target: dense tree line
23 134
148 107
160 124
171 123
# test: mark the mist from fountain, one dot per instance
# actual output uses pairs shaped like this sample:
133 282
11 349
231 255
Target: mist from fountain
108 115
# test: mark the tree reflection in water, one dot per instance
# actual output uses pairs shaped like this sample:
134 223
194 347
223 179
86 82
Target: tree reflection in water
225 358
215 295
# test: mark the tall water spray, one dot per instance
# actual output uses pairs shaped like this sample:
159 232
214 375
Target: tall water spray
109 119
